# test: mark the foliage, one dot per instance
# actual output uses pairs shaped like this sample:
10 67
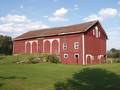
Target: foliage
52 58
5 45
91 79
36 58
115 54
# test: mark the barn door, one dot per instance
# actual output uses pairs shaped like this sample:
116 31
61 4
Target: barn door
47 47
89 60
28 47
55 47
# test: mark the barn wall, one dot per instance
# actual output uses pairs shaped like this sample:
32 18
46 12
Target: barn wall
57 47
70 39
18 47
94 47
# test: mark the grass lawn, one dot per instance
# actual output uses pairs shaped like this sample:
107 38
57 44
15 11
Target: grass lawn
58 76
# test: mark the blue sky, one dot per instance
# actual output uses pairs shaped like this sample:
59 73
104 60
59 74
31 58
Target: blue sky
19 16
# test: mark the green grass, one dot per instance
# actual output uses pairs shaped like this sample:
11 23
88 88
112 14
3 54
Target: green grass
43 76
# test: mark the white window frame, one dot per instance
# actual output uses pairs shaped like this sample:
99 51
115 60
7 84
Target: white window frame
76 54
76 45
64 46
97 31
65 55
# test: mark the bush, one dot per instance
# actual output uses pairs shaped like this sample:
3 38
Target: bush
36 58
52 58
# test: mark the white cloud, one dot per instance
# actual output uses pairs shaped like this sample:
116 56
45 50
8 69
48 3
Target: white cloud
14 18
15 25
107 12
92 17
59 15
102 14
60 12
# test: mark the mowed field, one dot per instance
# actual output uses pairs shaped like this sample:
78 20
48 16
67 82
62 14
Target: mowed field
58 76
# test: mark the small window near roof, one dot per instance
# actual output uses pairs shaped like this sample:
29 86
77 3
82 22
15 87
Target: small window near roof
65 55
64 46
93 31
96 27
97 32
76 45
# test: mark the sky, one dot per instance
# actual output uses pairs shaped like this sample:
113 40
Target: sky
20 16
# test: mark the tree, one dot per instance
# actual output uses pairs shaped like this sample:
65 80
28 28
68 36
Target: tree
115 54
5 45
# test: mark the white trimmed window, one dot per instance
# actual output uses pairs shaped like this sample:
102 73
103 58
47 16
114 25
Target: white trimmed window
76 45
65 55
97 32
76 55
64 46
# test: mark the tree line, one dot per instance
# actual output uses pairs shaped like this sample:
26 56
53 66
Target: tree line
114 53
5 45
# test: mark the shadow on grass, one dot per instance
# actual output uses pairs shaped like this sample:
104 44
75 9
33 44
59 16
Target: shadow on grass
91 79
11 77
1 84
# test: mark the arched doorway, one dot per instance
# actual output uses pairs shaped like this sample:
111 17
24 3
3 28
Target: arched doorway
34 47
89 59
55 47
28 47
46 47
103 58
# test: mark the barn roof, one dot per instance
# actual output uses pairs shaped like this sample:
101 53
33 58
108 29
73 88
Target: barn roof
78 28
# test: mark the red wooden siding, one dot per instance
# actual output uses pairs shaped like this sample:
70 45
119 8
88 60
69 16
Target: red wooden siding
55 47
28 48
95 46
34 47
46 47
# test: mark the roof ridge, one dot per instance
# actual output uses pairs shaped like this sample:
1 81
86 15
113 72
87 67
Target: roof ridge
94 21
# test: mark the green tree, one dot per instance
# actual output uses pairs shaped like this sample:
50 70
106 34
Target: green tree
115 54
5 45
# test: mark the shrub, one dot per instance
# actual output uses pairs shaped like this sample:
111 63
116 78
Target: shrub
36 58
52 58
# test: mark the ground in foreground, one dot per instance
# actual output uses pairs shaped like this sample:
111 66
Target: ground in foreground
59 77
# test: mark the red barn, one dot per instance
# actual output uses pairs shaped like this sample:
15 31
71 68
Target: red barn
82 43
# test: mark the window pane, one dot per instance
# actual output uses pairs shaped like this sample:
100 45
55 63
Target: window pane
64 46
76 45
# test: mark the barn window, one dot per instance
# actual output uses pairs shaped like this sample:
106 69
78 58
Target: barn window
64 46
76 55
76 45
65 55
97 32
